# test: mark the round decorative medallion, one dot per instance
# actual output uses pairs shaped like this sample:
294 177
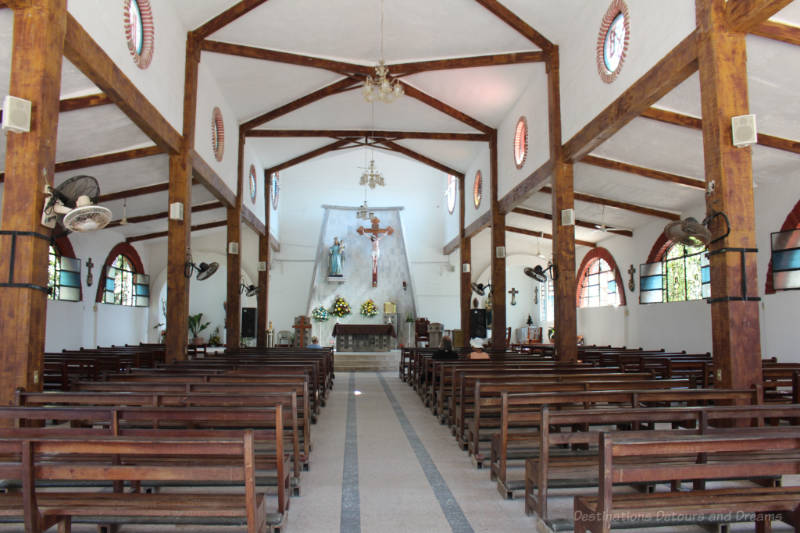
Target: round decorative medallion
253 184
477 189
521 142
139 31
451 193
612 40
275 189
217 134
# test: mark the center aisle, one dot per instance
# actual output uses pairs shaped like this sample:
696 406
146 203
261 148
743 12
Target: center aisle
398 469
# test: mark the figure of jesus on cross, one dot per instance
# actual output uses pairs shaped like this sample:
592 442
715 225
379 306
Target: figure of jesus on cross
375 235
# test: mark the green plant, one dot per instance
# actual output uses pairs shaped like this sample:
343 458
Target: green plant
551 333
196 324
409 317
216 338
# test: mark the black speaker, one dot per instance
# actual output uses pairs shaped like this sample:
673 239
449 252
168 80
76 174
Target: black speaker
248 322
477 323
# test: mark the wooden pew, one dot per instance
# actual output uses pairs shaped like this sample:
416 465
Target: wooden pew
779 454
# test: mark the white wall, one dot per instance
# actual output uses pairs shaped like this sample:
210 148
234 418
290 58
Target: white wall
162 82
516 315
656 27
257 206
333 180
210 96
71 325
481 163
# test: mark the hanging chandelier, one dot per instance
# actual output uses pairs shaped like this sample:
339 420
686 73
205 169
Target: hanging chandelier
380 86
371 176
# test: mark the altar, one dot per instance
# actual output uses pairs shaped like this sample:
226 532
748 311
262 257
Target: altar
363 337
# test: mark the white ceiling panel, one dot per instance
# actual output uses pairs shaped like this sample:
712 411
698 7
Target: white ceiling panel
773 79
273 151
455 154
94 131
125 175
194 14
685 98
350 29
789 14
276 84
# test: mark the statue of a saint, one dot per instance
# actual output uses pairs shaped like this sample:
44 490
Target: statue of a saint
336 253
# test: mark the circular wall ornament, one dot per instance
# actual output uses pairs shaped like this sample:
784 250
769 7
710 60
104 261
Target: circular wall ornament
451 193
521 142
253 184
477 189
275 189
139 31
612 40
217 134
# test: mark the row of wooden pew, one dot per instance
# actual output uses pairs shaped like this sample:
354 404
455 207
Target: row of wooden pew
219 440
649 420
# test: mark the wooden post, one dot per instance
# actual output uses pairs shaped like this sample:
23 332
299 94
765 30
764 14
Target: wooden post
263 276
722 58
465 256
179 231
233 314
564 270
38 45
498 263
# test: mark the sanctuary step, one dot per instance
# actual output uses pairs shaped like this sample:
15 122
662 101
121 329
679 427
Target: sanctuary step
366 361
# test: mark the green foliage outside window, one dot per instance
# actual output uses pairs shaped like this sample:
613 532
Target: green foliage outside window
684 278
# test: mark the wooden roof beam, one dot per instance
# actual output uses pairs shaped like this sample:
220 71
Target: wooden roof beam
373 134
305 157
264 54
523 231
514 58
442 107
778 31
94 63
114 157
478 225
580 223
744 15
165 214
522 27
677 119
226 17
644 172
342 85
250 218
206 175
394 147
665 75
649 211
526 187
156 235
130 193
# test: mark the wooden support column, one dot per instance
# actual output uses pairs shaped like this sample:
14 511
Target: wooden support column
722 56
563 197
180 231
233 314
465 254
264 256
498 263
38 44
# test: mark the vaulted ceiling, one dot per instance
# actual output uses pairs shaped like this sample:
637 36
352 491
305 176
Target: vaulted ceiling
346 32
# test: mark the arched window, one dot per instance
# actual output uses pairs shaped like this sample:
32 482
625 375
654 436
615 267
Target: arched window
784 248
599 280
124 281
63 273
675 273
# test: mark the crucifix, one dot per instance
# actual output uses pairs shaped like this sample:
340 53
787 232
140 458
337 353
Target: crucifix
631 284
376 233
513 292
89 276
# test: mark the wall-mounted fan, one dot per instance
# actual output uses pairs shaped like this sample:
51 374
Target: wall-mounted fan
479 288
693 233
71 204
204 270
248 290
538 273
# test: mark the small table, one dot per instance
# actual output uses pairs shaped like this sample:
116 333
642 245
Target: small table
363 337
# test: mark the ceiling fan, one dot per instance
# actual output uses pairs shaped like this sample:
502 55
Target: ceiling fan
71 204
605 228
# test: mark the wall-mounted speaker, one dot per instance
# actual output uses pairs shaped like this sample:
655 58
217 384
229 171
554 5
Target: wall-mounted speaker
233 248
16 114
567 217
744 132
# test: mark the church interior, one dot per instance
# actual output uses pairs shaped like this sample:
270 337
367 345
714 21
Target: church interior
519 265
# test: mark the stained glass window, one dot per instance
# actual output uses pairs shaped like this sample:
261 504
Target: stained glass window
63 277
599 286
124 286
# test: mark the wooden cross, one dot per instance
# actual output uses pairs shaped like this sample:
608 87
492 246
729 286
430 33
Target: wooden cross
631 284
301 326
375 235
89 276
513 292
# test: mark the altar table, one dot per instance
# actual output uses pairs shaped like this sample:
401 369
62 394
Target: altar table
363 337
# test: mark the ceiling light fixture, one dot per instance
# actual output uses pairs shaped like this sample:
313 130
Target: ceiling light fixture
380 86
371 176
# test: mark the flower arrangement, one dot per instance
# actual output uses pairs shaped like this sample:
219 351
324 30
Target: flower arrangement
340 307
369 309
320 314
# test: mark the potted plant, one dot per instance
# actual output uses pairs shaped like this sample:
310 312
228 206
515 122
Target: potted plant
216 338
196 325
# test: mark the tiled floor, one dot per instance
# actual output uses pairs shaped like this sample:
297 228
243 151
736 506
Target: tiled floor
401 472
